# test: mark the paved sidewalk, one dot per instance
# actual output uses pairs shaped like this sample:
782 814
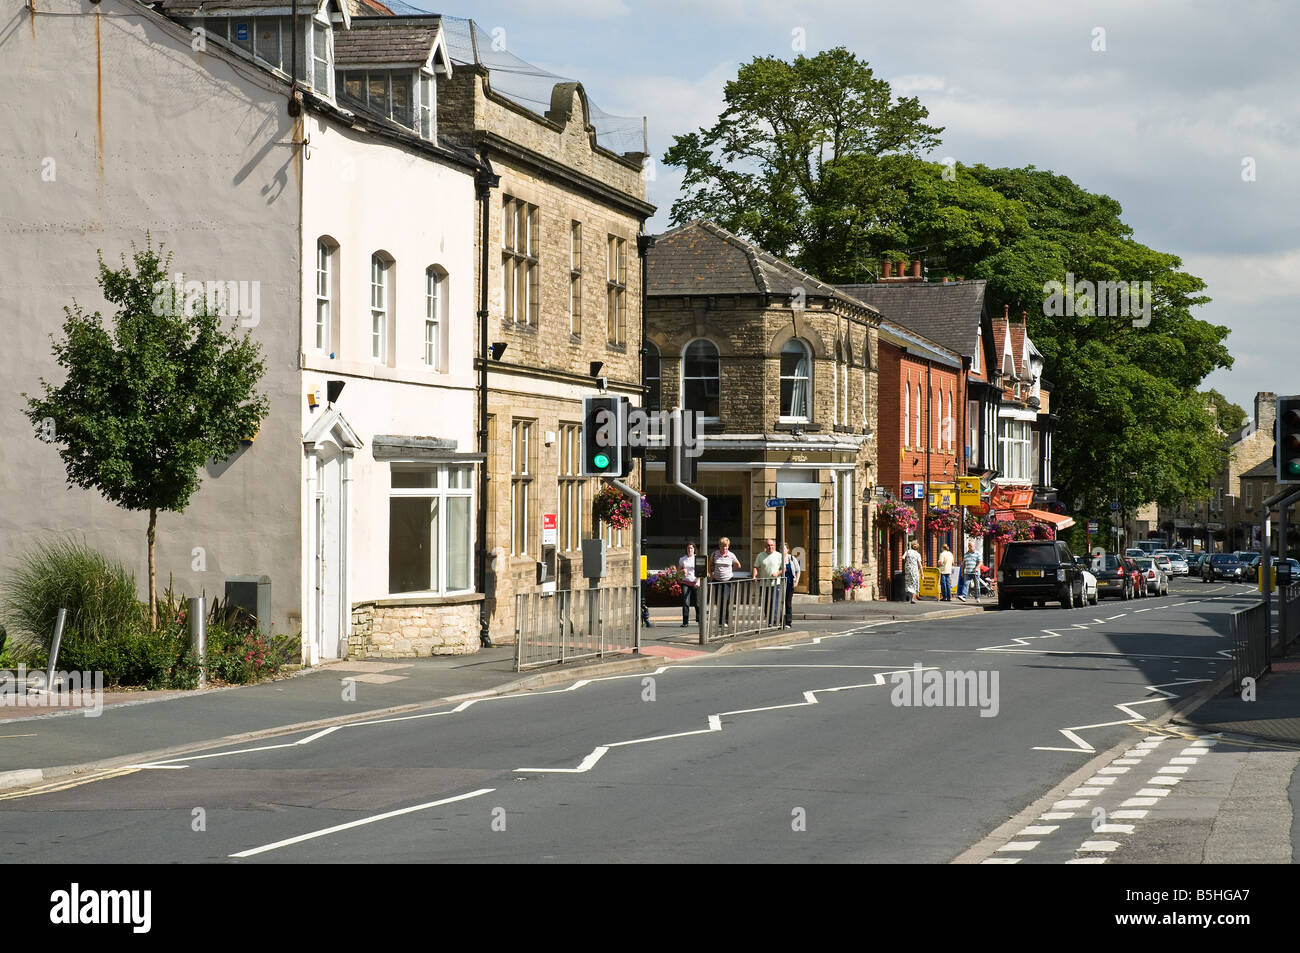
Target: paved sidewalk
38 744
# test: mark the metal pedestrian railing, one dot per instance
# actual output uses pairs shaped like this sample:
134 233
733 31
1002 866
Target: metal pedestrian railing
1291 595
573 624
743 607
1248 630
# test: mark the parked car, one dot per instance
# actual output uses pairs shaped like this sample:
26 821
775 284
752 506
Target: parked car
1222 566
1154 579
1178 565
1112 577
1134 552
1039 571
1089 582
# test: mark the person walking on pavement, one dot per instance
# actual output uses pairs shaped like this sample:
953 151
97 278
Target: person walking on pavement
970 567
722 564
768 568
690 585
945 574
792 572
912 571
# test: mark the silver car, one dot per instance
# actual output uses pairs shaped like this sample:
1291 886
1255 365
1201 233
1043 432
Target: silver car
1157 579
1177 564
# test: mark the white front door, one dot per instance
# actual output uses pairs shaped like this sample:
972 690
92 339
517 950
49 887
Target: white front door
329 559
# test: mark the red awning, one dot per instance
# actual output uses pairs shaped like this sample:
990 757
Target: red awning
1054 519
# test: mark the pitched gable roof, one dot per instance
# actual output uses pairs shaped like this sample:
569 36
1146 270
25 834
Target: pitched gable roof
387 41
947 313
703 258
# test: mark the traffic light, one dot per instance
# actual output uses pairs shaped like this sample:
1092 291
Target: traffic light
681 465
1287 440
604 437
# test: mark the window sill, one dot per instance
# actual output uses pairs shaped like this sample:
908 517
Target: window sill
786 426
616 348
416 599
515 326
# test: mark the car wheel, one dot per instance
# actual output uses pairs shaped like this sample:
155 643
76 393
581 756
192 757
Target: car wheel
1096 597
1067 598
1004 603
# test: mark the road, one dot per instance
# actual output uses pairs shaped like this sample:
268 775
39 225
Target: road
793 754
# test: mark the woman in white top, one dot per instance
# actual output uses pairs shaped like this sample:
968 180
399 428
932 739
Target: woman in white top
722 565
690 585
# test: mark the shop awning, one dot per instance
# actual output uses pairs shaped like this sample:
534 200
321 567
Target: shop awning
1056 520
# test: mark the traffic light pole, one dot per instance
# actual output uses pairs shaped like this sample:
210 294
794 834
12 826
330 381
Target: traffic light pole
636 559
1283 501
701 593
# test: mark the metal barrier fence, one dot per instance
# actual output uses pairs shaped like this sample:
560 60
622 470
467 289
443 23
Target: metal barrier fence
1291 594
573 624
1248 630
744 607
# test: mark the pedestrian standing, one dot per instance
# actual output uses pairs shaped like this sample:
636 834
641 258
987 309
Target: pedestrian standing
912 571
970 567
792 572
945 574
722 565
690 585
768 568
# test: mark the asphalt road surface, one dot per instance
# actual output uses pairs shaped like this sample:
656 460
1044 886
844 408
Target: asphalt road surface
793 754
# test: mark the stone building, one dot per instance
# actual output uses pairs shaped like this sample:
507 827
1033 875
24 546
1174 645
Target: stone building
782 369
562 245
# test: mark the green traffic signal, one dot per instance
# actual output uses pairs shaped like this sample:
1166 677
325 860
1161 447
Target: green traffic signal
601 461
1293 468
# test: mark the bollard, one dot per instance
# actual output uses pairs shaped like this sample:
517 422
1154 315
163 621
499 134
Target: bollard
54 647
199 635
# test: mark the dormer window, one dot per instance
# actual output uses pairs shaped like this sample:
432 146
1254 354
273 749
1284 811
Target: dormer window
405 97
269 40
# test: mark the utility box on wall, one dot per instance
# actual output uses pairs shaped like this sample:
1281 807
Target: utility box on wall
253 595
593 558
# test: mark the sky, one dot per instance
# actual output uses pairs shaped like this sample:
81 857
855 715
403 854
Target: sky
1185 112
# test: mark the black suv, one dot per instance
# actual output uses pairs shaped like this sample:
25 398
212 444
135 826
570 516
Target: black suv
1039 571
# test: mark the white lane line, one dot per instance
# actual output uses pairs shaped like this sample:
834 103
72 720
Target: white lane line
1087 860
1184 760
1136 611
1153 792
1135 815
163 767
359 823
1198 747
1056 816
1102 845
1167 769
715 721
1099 780
1111 769
1038 830
1114 829
1127 761
1001 860
1127 707
1068 804
1112 618
1020 845
1164 779
1086 792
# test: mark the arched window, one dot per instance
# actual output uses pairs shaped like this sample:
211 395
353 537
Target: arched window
796 376
702 379
653 363
435 311
920 434
907 414
381 305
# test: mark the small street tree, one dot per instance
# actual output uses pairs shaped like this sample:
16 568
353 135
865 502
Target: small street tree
150 400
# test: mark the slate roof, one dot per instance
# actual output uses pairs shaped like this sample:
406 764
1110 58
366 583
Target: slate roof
380 40
947 314
170 6
703 258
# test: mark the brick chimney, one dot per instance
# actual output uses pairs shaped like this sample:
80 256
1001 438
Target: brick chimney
1265 411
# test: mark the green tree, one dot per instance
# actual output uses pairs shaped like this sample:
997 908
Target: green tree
151 399
803 160
1228 415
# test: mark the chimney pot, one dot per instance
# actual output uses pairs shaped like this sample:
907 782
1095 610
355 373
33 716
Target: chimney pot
1006 312
916 269
889 268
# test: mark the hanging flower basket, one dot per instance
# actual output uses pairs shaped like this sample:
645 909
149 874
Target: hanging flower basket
847 577
976 526
612 507
898 516
942 521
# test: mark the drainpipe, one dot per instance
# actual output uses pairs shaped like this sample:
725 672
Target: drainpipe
484 182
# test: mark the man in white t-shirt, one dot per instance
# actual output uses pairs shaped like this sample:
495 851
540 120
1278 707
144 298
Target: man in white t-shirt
722 565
